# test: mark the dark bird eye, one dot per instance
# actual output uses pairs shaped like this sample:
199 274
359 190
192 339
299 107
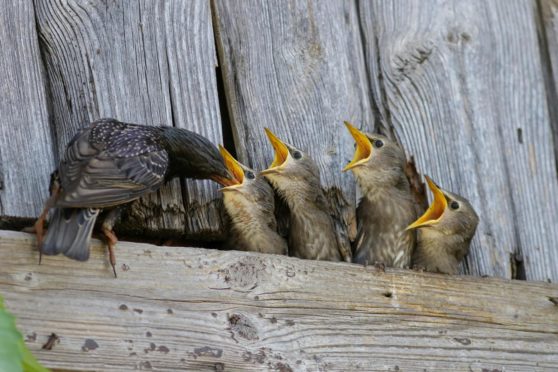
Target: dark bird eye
454 205
297 155
378 143
250 175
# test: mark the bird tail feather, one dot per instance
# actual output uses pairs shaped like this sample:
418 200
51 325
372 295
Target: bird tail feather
69 232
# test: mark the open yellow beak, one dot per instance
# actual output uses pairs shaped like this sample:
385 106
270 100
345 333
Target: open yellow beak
234 168
363 147
436 209
281 152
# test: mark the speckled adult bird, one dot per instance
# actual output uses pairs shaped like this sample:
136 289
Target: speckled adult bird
387 206
445 231
109 164
250 204
296 177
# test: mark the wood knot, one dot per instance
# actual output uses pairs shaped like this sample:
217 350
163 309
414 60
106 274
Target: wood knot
244 274
242 326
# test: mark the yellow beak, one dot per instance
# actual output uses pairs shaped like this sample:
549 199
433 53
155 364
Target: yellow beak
363 147
436 209
281 152
234 168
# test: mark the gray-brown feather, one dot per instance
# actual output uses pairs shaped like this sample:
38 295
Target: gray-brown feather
253 226
312 232
441 246
70 232
386 209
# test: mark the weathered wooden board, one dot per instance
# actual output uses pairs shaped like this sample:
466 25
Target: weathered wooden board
297 68
150 62
548 29
175 308
462 84
26 152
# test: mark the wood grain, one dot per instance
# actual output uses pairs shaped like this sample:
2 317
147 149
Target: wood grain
462 84
175 308
298 69
149 62
548 36
26 152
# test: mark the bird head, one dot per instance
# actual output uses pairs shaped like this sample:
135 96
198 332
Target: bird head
449 214
245 181
291 169
376 157
249 197
194 156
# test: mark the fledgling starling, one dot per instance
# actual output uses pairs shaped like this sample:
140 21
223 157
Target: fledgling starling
387 206
250 205
296 178
445 231
110 163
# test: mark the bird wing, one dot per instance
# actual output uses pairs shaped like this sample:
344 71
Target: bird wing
96 176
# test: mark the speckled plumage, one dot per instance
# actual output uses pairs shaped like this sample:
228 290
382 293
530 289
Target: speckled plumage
386 208
110 163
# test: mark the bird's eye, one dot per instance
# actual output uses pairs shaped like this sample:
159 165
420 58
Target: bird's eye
297 155
250 175
454 205
378 143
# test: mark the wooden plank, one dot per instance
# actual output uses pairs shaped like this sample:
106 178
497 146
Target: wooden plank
26 155
149 62
461 82
175 308
296 68
548 29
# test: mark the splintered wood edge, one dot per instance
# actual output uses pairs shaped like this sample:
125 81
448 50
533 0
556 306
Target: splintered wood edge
193 308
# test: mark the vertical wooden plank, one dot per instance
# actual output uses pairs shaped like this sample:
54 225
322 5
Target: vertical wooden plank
297 68
461 81
150 62
26 157
548 35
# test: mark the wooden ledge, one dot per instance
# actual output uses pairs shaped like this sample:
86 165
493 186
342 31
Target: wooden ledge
175 308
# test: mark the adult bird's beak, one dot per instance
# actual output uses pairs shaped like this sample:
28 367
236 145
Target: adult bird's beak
363 148
436 209
281 153
234 168
224 177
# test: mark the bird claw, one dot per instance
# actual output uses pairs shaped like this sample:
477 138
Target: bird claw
380 266
111 243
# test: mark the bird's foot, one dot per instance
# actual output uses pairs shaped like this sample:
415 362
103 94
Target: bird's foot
40 233
420 269
380 266
111 243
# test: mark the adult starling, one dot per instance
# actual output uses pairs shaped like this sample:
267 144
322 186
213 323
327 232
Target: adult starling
250 205
445 231
296 178
110 163
387 206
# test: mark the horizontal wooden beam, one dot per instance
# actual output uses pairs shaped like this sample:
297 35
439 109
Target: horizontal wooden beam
175 308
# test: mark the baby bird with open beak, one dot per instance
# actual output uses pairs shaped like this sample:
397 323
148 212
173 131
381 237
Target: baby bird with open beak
387 206
445 231
296 178
250 205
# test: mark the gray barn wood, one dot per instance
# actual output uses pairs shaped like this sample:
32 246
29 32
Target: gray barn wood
149 62
548 10
298 69
175 308
26 152
462 84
